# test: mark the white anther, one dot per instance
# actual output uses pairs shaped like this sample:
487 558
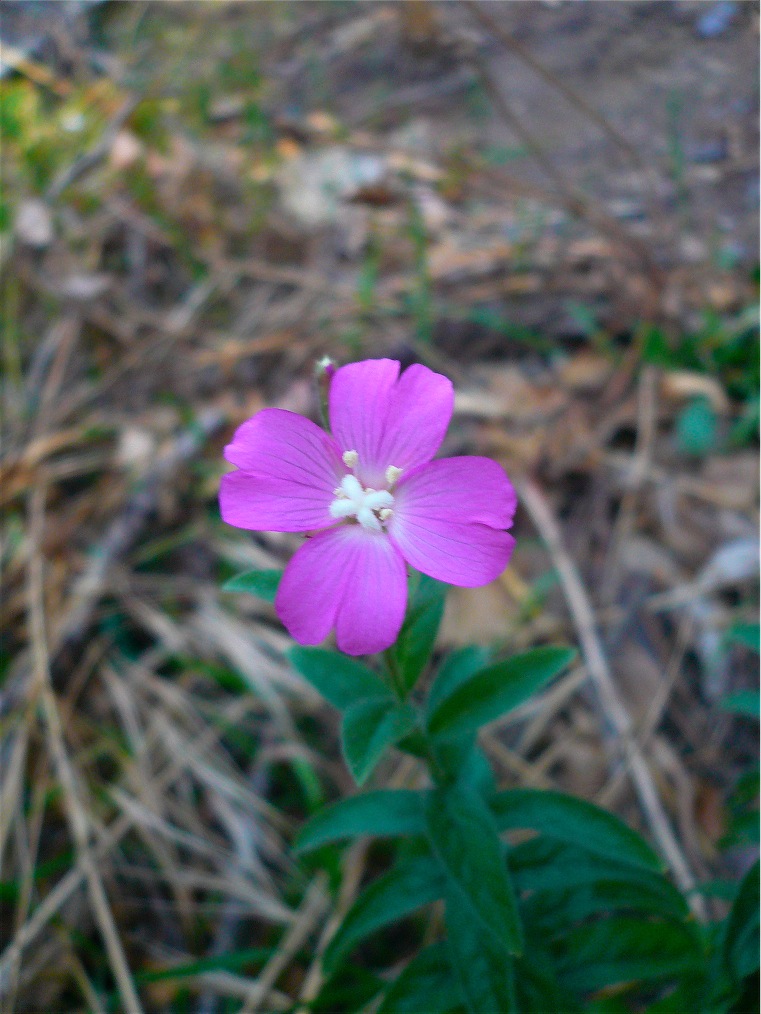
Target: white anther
350 459
339 494
385 514
392 474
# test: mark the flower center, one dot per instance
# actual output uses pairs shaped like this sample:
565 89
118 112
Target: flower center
370 507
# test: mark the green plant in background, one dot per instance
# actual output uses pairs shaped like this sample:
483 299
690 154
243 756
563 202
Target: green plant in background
515 900
575 909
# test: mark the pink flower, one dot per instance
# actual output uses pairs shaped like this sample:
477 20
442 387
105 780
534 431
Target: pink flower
375 499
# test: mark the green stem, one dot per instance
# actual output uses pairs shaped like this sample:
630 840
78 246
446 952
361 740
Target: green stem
397 680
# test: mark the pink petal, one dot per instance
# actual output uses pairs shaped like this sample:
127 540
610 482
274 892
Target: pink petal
349 578
287 446
371 612
463 489
264 504
465 555
419 413
360 395
311 589
448 517
387 419
290 468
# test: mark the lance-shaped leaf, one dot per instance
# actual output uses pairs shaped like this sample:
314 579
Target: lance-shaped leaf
625 949
479 961
369 728
339 679
386 813
464 839
575 821
262 583
498 688
426 984
548 868
407 887
455 670
416 639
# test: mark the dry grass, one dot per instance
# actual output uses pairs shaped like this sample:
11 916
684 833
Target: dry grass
157 750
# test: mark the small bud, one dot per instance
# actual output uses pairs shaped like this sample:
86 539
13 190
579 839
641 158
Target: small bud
324 371
325 367
350 459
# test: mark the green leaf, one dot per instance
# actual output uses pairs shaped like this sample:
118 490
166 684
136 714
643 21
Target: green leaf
369 728
417 637
456 669
426 984
490 692
624 949
557 910
536 987
743 702
387 813
464 839
746 634
696 428
262 583
407 887
482 966
545 867
353 988
742 939
574 821
339 679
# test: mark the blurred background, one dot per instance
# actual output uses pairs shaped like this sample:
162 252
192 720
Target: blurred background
555 204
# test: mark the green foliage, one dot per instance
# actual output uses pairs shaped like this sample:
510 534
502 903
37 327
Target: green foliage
746 634
574 821
416 639
463 838
499 688
369 727
384 812
262 583
625 949
741 943
455 671
341 680
743 702
427 983
696 428
579 917
481 964
410 885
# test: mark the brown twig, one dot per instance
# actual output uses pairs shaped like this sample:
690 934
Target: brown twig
610 700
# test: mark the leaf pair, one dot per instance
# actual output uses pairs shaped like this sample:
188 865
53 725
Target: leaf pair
373 718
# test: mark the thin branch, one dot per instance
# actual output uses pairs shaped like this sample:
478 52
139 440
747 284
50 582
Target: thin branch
612 706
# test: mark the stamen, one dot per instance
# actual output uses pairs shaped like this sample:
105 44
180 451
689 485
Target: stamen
368 506
392 474
385 514
350 459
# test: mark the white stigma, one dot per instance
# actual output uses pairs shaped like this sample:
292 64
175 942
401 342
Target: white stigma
368 506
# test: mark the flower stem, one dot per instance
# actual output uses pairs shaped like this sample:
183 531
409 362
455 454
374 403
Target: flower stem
397 680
